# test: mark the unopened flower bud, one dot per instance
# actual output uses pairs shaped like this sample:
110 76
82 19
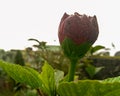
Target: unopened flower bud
77 33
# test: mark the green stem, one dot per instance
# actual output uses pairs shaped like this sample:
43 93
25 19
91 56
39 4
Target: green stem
72 68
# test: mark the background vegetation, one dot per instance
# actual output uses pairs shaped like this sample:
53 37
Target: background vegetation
97 64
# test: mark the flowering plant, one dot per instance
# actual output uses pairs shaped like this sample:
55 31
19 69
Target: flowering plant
76 34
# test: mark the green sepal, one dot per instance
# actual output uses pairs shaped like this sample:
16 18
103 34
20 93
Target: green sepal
74 51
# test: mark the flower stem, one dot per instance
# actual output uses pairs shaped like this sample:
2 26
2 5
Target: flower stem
72 68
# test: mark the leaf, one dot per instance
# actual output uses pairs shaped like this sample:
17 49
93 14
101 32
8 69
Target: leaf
22 74
92 70
89 88
98 69
48 79
32 39
96 48
59 75
112 80
113 45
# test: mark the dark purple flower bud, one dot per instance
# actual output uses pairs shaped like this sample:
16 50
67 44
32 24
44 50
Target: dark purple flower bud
75 31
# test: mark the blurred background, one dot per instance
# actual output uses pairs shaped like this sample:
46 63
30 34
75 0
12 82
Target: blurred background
24 19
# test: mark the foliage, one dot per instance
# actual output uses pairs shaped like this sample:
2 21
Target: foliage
86 68
95 49
90 88
7 55
19 58
52 54
47 81
22 74
52 83
40 45
92 70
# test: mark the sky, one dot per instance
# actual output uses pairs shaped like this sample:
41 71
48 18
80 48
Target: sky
21 20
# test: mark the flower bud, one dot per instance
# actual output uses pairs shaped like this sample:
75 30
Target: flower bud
77 33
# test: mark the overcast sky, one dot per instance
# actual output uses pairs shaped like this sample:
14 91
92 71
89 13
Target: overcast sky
24 19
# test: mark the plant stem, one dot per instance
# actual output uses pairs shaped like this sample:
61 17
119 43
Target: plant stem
39 92
72 68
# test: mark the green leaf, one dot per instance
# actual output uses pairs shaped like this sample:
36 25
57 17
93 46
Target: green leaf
113 45
22 74
112 80
92 70
59 75
89 88
96 48
48 79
